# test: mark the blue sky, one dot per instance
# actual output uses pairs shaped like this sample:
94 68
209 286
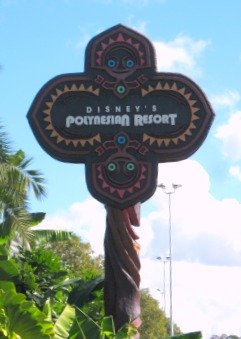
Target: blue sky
201 39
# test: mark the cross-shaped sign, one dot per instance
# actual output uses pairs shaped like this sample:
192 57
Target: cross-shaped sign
120 117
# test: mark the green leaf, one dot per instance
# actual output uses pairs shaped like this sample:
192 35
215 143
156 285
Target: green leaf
17 158
66 283
47 310
84 327
64 323
22 318
51 235
3 239
127 331
191 335
8 269
83 293
107 327
36 218
4 252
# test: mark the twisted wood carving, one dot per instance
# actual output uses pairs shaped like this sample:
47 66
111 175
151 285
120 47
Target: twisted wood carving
122 266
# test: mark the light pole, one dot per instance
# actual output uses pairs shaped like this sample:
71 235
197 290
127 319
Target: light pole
164 260
169 193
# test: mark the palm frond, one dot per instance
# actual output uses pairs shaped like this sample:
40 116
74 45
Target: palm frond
5 149
16 174
37 218
16 181
36 182
51 235
17 221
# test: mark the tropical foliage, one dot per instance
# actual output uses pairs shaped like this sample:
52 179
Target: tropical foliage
16 182
35 286
191 335
51 285
47 304
155 324
78 257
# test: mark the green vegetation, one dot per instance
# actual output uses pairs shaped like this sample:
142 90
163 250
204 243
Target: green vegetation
155 324
77 256
51 285
191 335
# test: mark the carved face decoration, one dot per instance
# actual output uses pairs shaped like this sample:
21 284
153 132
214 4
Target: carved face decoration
120 62
121 175
121 170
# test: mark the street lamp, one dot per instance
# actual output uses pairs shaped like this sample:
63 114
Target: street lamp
169 193
162 294
164 260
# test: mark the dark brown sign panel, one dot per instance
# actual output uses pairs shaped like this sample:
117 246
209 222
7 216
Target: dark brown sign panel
120 117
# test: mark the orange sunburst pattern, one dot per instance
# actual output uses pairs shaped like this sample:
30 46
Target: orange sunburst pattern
47 112
193 109
119 39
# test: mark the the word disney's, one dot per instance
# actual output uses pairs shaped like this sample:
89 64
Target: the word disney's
120 117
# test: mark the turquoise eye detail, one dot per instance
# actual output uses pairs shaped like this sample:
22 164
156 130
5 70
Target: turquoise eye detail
121 89
111 63
129 63
111 167
121 140
130 166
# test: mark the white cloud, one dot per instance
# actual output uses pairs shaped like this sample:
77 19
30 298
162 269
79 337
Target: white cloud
180 55
86 219
205 229
209 295
236 172
230 136
206 236
137 25
228 99
83 41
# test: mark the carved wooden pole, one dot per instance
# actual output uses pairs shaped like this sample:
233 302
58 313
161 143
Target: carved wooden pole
122 266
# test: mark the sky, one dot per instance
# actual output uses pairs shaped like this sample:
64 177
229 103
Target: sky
200 39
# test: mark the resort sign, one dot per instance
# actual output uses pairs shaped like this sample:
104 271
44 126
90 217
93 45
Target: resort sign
120 117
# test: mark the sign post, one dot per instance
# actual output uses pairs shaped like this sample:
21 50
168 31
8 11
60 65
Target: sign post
120 118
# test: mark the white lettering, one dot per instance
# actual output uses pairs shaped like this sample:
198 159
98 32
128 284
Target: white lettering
140 120
173 117
79 120
88 109
146 119
97 120
107 109
165 119
122 120
125 120
69 121
103 120
157 119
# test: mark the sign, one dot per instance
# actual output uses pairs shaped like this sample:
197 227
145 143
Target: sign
120 117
